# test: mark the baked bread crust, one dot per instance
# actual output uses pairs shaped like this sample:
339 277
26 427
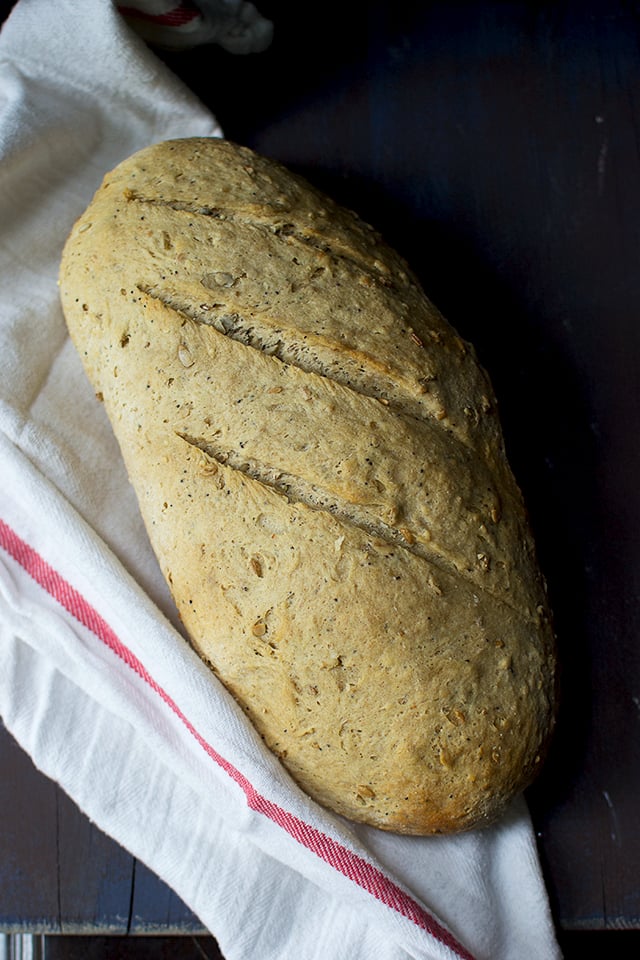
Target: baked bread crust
319 463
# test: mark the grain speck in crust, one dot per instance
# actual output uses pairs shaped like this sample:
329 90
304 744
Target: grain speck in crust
319 463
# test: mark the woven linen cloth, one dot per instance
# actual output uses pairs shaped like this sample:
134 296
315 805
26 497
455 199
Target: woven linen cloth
98 684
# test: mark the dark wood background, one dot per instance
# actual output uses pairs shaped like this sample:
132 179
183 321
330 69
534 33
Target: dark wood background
497 146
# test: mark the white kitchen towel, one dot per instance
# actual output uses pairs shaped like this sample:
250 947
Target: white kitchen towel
98 684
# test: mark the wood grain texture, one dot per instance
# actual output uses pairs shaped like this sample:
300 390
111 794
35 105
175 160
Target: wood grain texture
59 874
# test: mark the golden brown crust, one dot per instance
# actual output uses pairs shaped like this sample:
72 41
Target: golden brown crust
320 467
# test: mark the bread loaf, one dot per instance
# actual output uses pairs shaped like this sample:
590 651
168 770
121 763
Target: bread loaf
320 466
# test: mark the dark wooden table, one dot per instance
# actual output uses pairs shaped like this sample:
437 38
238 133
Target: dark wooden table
497 145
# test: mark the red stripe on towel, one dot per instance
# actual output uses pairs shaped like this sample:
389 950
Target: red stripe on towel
349 864
180 15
